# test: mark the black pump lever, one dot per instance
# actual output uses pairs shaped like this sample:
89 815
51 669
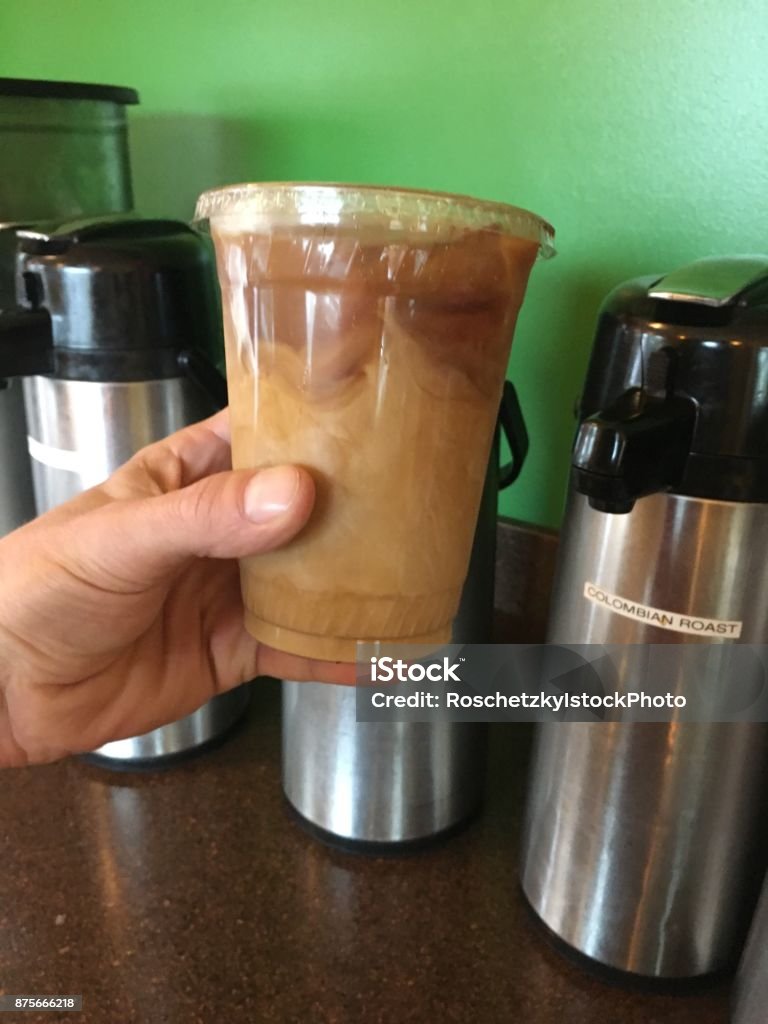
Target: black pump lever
26 342
637 446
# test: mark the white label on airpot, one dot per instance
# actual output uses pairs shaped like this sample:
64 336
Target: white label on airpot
91 466
650 616
56 458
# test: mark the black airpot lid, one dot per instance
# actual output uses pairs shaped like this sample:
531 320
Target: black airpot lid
676 394
108 298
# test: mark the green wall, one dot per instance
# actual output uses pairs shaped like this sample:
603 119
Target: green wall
638 130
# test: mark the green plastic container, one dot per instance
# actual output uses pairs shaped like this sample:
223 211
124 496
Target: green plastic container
63 149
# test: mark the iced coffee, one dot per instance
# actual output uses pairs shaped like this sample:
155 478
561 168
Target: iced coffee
367 337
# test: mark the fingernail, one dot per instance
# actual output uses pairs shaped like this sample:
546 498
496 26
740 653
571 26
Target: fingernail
270 493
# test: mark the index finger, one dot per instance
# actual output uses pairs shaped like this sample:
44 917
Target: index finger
180 459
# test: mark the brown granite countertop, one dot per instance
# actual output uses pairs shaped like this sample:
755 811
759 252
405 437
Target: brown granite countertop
192 896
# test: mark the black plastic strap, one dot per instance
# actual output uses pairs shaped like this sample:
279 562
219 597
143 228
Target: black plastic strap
513 426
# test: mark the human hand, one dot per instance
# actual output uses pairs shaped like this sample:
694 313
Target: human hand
120 611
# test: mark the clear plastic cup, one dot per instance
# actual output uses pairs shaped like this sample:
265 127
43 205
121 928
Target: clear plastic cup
367 337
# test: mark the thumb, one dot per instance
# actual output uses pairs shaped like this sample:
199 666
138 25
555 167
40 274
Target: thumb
227 515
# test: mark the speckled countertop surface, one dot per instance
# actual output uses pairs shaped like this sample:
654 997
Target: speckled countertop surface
192 896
